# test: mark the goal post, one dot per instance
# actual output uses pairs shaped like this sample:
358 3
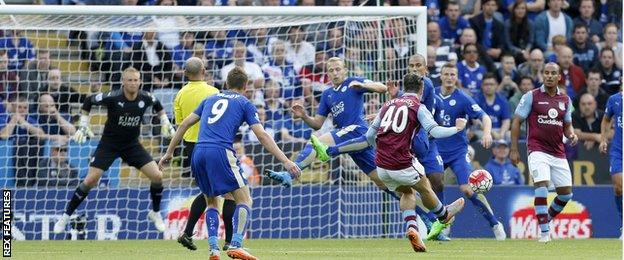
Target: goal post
420 12
77 51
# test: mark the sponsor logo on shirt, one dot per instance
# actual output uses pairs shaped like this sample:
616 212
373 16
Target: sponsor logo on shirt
337 109
129 121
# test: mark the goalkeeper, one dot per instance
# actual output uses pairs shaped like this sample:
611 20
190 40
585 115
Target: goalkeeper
125 110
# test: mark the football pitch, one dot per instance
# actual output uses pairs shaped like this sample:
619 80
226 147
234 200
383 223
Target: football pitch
325 249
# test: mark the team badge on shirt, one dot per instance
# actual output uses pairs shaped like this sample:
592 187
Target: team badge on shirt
561 106
552 113
141 104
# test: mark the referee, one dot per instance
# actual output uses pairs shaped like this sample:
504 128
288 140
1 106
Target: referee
186 101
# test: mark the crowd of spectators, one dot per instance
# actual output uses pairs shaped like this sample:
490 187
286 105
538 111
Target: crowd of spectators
499 46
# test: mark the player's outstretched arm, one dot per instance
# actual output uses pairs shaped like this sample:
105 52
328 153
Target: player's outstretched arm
188 122
315 122
436 131
272 147
605 128
373 86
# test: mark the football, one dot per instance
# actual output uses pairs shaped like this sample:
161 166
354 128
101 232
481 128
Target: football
480 181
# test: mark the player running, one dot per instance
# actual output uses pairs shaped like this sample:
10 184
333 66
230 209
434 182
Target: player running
217 170
394 128
345 101
613 115
125 109
454 149
186 101
549 117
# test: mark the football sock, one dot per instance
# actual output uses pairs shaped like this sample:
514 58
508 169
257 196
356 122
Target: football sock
197 208
156 190
212 223
239 222
426 215
440 196
349 146
229 206
409 216
306 156
541 208
483 207
558 204
79 195
440 211
618 204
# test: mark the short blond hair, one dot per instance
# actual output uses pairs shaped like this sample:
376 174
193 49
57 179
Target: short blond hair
336 59
130 70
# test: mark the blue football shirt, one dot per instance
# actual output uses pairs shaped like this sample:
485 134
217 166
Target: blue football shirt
221 116
456 105
344 103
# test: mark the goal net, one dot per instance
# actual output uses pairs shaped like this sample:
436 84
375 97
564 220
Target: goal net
52 57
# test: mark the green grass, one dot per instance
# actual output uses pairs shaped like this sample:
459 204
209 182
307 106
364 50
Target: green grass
325 249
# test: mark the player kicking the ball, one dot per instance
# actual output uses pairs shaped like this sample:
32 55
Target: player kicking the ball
423 148
613 115
217 170
125 109
548 113
398 121
345 101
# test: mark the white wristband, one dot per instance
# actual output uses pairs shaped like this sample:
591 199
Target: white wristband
164 119
84 121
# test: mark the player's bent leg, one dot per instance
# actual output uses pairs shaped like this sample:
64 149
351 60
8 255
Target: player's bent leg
240 221
309 154
156 189
616 178
407 204
460 164
564 195
304 159
80 194
444 214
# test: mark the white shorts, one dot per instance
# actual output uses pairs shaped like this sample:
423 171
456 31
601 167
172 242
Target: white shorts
406 177
545 167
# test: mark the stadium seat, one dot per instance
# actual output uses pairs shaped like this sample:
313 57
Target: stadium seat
7 174
80 157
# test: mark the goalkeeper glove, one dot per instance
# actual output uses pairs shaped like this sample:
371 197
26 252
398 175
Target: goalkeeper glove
166 128
82 134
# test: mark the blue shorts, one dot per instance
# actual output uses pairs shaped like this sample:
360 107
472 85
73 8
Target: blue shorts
432 161
460 164
216 170
615 164
364 159
420 144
